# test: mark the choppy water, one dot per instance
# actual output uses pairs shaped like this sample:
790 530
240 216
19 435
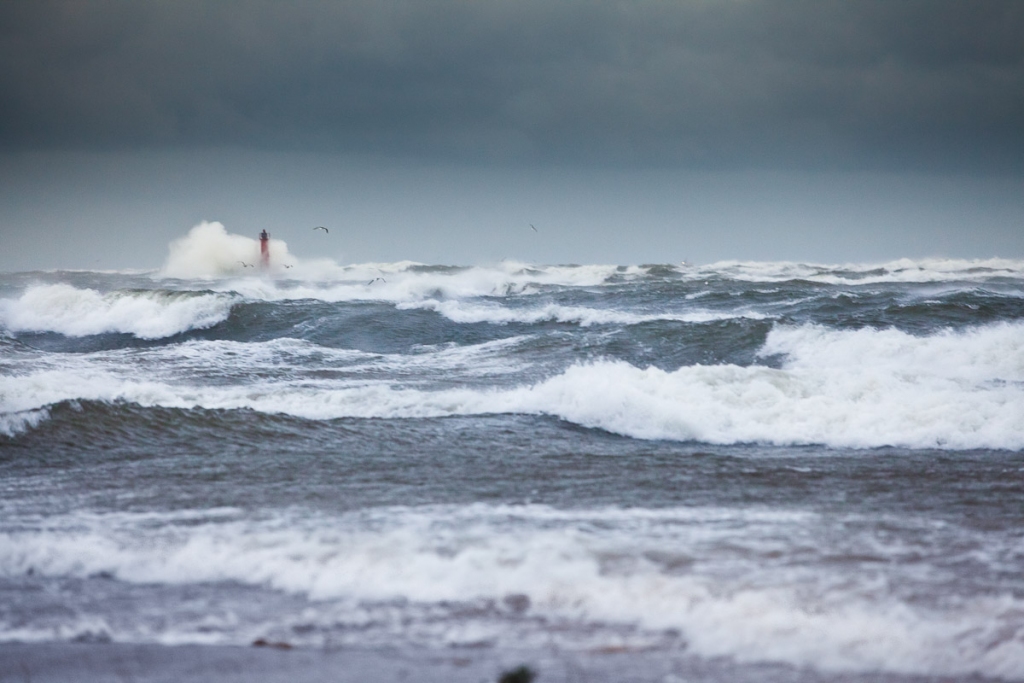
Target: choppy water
814 466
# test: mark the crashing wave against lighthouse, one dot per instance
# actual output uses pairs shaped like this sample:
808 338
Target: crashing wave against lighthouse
209 250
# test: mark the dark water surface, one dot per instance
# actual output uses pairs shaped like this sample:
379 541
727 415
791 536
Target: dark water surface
745 471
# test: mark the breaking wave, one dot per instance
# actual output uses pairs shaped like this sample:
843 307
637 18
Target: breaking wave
900 271
76 312
209 251
862 388
467 312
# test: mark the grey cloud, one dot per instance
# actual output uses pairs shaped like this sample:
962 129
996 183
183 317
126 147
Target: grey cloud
745 83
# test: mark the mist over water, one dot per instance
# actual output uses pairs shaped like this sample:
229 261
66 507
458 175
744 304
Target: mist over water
781 464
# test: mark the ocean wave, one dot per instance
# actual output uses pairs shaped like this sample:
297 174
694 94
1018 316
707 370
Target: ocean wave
405 282
80 312
208 252
899 271
853 388
13 424
475 312
861 389
231 263
278 376
758 585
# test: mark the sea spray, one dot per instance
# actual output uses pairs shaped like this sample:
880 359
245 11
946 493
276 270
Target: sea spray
209 251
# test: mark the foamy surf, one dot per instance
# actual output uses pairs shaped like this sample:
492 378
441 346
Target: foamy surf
209 252
770 470
925 270
410 283
472 312
599 567
79 312
857 389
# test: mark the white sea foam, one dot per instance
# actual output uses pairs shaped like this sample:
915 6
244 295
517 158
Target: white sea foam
12 424
79 312
854 388
291 375
408 283
862 388
288 362
209 252
475 312
901 270
750 584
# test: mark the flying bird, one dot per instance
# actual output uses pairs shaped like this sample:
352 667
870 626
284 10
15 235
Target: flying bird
533 228
375 279
246 265
320 227
287 266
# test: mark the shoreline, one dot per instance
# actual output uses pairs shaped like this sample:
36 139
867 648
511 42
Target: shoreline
66 662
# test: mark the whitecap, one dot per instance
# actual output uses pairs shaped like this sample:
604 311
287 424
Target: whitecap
482 312
903 270
79 312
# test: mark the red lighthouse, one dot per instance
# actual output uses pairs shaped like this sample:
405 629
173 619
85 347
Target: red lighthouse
265 249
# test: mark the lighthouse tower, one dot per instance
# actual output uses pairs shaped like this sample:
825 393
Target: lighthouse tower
265 249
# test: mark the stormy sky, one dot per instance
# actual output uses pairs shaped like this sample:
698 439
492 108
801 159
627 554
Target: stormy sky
438 131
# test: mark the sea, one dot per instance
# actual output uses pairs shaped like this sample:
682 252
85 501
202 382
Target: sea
730 471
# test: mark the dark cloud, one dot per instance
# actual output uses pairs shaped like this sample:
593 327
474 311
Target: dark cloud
745 83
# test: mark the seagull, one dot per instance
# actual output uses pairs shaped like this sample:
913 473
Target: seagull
375 279
287 266
320 227
534 229
246 265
